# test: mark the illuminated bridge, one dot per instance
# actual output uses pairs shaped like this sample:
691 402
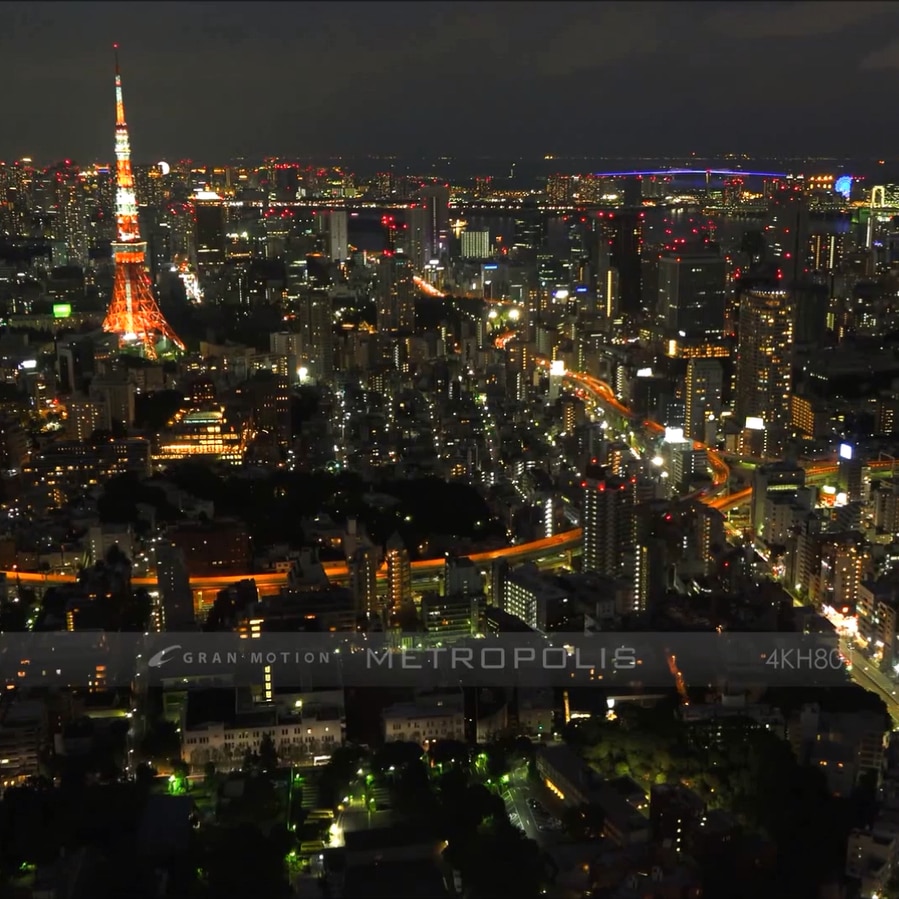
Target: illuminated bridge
664 172
549 550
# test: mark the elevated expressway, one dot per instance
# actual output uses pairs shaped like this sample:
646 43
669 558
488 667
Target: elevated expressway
549 550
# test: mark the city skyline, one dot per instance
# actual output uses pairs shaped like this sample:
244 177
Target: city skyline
224 82
450 472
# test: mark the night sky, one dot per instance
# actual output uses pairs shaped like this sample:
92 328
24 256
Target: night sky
214 81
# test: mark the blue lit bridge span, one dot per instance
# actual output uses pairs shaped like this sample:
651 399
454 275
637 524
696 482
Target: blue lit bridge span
664 172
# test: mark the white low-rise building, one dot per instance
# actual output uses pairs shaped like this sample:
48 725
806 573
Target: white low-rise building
430 717
301 725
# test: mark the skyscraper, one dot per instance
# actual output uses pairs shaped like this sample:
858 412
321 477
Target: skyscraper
270 405
811 303
435 199
315 313
133 313
475 244
399 573
176 596
608 520
622 232
363 568
764 358
416 237
692 293
396 293
210 240
826 251
702 395
333 223
787 231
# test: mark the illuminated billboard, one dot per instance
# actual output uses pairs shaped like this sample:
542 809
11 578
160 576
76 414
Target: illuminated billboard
62 310
845 451
557 368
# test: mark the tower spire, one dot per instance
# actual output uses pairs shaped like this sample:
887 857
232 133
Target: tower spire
119 102
133 313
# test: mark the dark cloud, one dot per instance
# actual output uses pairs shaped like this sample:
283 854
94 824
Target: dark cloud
218 80
796 20
883 58
604 35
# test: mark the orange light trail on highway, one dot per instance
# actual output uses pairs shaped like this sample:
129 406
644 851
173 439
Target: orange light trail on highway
561 543
426 288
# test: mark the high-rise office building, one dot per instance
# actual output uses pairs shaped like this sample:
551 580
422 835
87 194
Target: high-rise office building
333 223
475 244
622 233
826 251
415 237
776 477
315 313
435 199
461 577
290 345
559 189
75 361
811 303
270 401
632 191
84 416
702 396
363 567
850 473
764 358
115 394
399 573
176 596
692 293
608 521
396 293
71 207
149 185
787 232
210 239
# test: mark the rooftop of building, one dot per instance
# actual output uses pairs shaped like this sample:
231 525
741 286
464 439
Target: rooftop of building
414 710
677 792
209 707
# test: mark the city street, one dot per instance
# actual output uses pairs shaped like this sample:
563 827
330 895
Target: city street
865 674
568 857
516 797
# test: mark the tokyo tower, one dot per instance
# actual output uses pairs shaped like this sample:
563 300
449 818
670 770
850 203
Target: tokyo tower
133 313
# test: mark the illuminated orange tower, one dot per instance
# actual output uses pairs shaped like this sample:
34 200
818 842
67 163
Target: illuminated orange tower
133 312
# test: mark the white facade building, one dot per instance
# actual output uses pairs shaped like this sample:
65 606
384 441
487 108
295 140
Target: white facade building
301 725
429 718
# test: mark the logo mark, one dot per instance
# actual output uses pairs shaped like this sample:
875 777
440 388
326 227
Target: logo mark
161 657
